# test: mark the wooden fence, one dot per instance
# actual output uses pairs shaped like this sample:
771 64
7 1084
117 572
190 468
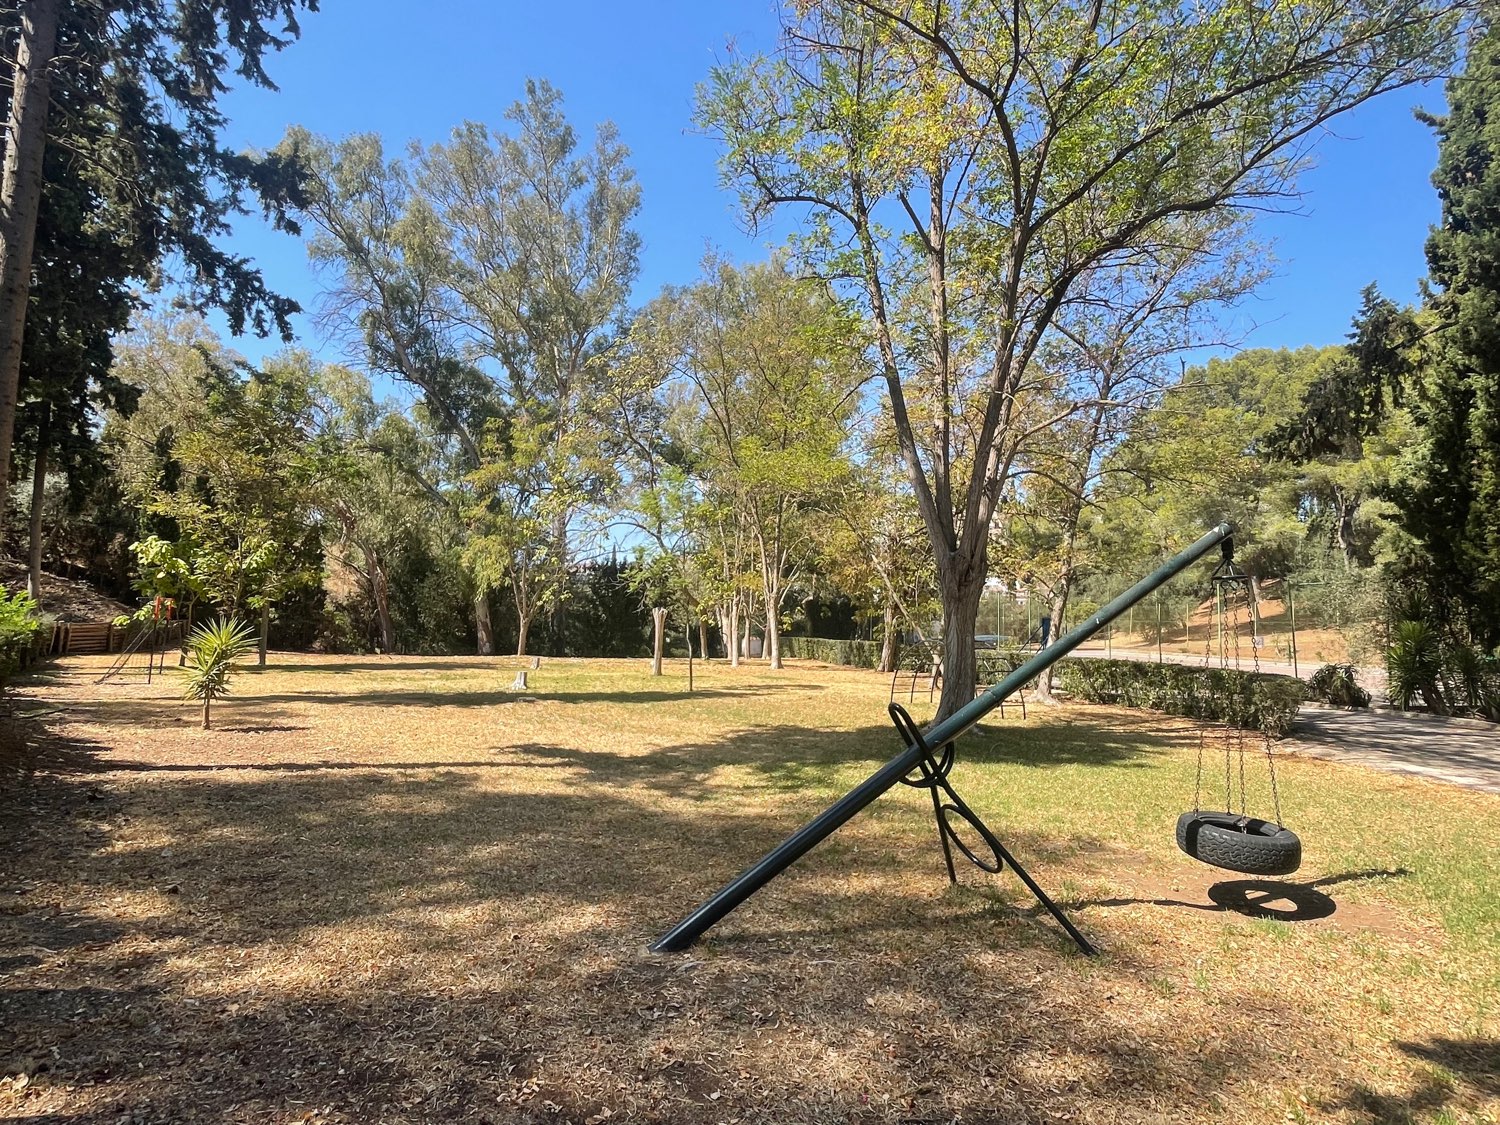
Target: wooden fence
80 638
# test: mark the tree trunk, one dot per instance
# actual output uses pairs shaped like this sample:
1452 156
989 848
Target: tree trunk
205 712
658 638
888 640
38 490
523 631
703 638
1059 608
773 632
380 588
265 631
732 634
960 598
484 628
20 196
687 636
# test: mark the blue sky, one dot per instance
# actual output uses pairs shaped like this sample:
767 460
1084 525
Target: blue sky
373 65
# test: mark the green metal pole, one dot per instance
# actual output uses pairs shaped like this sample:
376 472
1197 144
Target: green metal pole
937 736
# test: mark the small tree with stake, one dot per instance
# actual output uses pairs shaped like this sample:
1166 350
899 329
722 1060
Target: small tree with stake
213 652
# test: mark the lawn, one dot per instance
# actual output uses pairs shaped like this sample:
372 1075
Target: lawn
390 890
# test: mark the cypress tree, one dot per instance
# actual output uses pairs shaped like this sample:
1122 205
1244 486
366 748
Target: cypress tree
1452 503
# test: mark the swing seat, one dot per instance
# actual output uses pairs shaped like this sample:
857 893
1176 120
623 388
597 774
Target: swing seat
1239 843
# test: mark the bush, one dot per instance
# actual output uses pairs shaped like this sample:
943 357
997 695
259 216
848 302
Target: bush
1336 684
20 632
1253 700
1472 679
1413 665
854 654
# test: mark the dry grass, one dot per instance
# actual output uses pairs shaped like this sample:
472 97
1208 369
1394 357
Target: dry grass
388 890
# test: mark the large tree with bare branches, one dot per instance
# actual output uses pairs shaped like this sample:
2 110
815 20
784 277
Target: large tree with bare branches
965 165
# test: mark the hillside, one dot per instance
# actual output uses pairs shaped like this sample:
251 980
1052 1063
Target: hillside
67 599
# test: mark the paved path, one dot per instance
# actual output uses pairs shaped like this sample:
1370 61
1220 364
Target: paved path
1461 752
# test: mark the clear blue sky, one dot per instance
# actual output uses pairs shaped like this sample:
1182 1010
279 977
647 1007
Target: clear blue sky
413 72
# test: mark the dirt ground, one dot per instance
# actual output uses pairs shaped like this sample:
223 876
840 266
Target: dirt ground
391 890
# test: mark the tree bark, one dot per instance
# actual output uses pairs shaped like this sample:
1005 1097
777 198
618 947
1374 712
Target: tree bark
20 197
888 640
205 712
773 633
265 632
380 588
658 638
38 491
702 638
523 632
484 628
732 635
960 597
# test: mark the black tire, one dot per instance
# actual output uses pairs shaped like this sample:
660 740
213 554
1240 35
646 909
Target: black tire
1239 843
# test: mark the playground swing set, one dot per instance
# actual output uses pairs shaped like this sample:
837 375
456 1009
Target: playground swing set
154 638
1229 840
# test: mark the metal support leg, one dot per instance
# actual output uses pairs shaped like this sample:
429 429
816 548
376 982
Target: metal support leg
933 770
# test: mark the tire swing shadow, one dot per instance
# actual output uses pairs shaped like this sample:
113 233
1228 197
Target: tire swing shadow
1275 899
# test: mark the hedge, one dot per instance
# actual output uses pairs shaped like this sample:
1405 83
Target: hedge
855 654
1253 700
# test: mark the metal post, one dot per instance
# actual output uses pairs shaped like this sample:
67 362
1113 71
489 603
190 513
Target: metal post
1291 605
1158 626
800 842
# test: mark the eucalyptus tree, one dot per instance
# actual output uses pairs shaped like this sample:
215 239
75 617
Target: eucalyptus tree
967 164
491 273
382 249
540 254
130 92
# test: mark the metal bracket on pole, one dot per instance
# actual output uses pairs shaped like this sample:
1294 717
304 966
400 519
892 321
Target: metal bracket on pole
933 775
918 756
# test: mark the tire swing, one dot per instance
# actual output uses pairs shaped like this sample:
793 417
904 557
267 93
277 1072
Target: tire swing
1235 841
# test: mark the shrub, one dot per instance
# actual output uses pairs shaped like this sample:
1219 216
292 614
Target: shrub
1336 684
1473 679
1413 664
214 650
1253 700
20 632
854 654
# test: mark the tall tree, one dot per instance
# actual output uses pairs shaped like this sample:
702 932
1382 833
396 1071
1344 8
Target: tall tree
1451 500
491 273
771 365
968 164
133 89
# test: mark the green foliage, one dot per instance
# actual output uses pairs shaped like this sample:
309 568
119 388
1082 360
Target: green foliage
1252 700
214 650
1472 677
1337 684
851 653
20 630
1414 664
1450 497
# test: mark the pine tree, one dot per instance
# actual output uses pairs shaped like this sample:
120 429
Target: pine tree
1452 505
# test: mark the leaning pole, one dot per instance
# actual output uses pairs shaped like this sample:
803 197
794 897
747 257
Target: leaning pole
930 754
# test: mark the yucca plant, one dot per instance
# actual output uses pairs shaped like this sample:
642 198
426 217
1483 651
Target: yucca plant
213 650
1413 664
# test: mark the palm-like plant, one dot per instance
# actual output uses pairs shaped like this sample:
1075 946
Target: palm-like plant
213 650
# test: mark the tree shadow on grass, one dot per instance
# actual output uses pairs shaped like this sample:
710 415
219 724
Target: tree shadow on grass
1462 1073
411 943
